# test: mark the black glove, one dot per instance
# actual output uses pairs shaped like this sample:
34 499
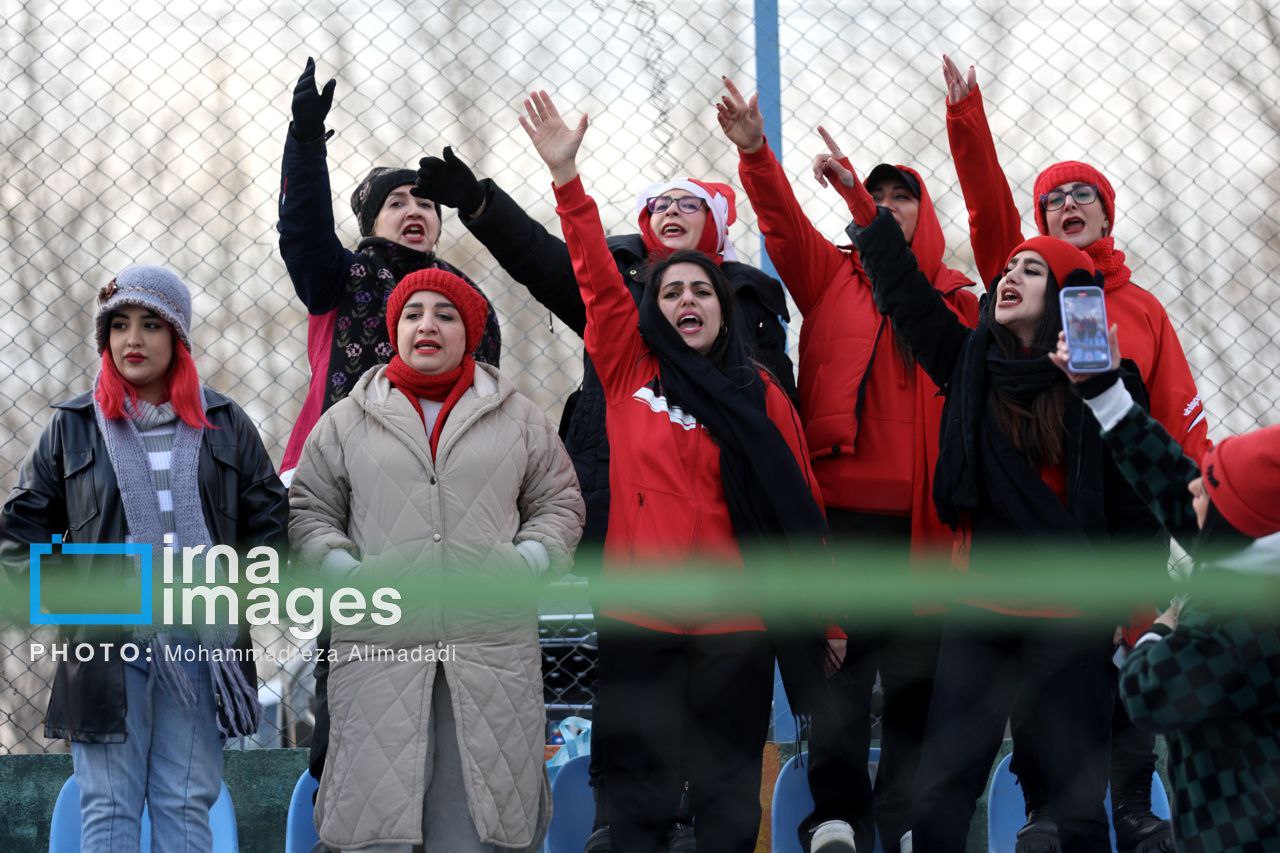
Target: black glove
310 106
449 182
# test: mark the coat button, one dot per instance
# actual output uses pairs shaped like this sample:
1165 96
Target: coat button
433 481
435 537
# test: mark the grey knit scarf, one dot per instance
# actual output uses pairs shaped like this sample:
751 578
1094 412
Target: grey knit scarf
239 700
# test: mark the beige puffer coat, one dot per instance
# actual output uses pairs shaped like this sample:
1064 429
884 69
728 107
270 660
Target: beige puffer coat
366 485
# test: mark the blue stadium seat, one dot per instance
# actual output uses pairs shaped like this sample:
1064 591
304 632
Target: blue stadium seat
300 828
64 829
1006 810
573 808
792 803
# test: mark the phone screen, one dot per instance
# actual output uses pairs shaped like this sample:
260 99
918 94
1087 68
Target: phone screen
1084 318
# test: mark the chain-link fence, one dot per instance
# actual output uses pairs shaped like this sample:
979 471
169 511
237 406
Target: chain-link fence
151 132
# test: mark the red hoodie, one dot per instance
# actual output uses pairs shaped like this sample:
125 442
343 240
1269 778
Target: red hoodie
872 424
668 505
1146 335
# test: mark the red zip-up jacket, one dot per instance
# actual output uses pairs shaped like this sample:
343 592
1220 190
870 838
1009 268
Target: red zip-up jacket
1146 335
871 423
668 504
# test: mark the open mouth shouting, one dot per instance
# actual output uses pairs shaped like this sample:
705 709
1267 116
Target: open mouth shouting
414 232
1009 297
1073 225
689 323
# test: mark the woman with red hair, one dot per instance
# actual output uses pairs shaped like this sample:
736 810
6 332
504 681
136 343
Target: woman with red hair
148 456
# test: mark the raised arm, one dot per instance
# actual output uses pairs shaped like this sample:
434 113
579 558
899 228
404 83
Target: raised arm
994 224
612 333
313 255
524 249
806 260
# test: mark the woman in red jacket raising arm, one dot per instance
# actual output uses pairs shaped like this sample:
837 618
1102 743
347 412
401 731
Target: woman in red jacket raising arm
871 416
707 456
1076 203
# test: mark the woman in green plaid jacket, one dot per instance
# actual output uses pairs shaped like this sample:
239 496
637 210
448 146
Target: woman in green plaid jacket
1204 676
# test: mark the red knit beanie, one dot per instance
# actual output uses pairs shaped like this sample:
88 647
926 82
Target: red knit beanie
1242 477
1061 256
473 307
1065 173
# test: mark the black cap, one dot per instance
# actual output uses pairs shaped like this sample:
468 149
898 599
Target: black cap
890 172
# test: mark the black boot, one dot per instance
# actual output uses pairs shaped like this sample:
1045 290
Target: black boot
598 841
1039 834
1137 829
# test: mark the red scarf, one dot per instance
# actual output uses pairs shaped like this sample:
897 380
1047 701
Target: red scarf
448 387
1109 261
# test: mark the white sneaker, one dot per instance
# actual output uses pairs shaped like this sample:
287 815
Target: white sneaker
832 836
904 843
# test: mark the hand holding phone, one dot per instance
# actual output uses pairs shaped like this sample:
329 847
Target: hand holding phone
1084 326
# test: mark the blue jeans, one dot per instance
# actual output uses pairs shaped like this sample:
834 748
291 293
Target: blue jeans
171 758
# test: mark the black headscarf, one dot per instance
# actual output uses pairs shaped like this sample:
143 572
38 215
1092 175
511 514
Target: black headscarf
978 466
767 493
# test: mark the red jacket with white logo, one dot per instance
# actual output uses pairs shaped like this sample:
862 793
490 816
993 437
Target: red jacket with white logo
668 504
1146 336
871 422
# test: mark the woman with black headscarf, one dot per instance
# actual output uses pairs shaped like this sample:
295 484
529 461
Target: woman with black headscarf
708 455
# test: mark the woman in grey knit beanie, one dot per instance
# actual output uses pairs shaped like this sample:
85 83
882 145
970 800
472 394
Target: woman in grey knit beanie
148 456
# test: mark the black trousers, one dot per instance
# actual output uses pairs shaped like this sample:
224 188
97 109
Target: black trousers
1133 756
905 653
1061 669
710 694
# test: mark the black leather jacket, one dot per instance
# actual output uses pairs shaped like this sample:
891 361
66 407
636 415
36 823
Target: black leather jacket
68 486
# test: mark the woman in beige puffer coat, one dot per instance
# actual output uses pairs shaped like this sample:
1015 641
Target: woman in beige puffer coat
435 469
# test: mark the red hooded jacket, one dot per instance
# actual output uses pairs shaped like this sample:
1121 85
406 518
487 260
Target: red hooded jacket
668 506
871 423
1146 335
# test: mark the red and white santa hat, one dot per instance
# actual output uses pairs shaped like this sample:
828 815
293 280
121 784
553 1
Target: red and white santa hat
720 205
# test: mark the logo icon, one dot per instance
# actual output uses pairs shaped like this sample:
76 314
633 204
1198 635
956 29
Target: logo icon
117 549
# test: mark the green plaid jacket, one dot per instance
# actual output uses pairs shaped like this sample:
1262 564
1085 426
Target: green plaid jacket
1212 687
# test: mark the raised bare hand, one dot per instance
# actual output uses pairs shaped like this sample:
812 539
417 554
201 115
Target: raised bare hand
827 164
958 87
740 119
556 143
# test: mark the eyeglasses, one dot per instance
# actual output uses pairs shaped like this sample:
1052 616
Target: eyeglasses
685 203
1083 194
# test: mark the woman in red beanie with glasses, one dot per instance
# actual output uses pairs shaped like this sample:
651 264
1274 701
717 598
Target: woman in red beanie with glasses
871 416
1206 676
434 469
708 464
1010 475
1076 202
